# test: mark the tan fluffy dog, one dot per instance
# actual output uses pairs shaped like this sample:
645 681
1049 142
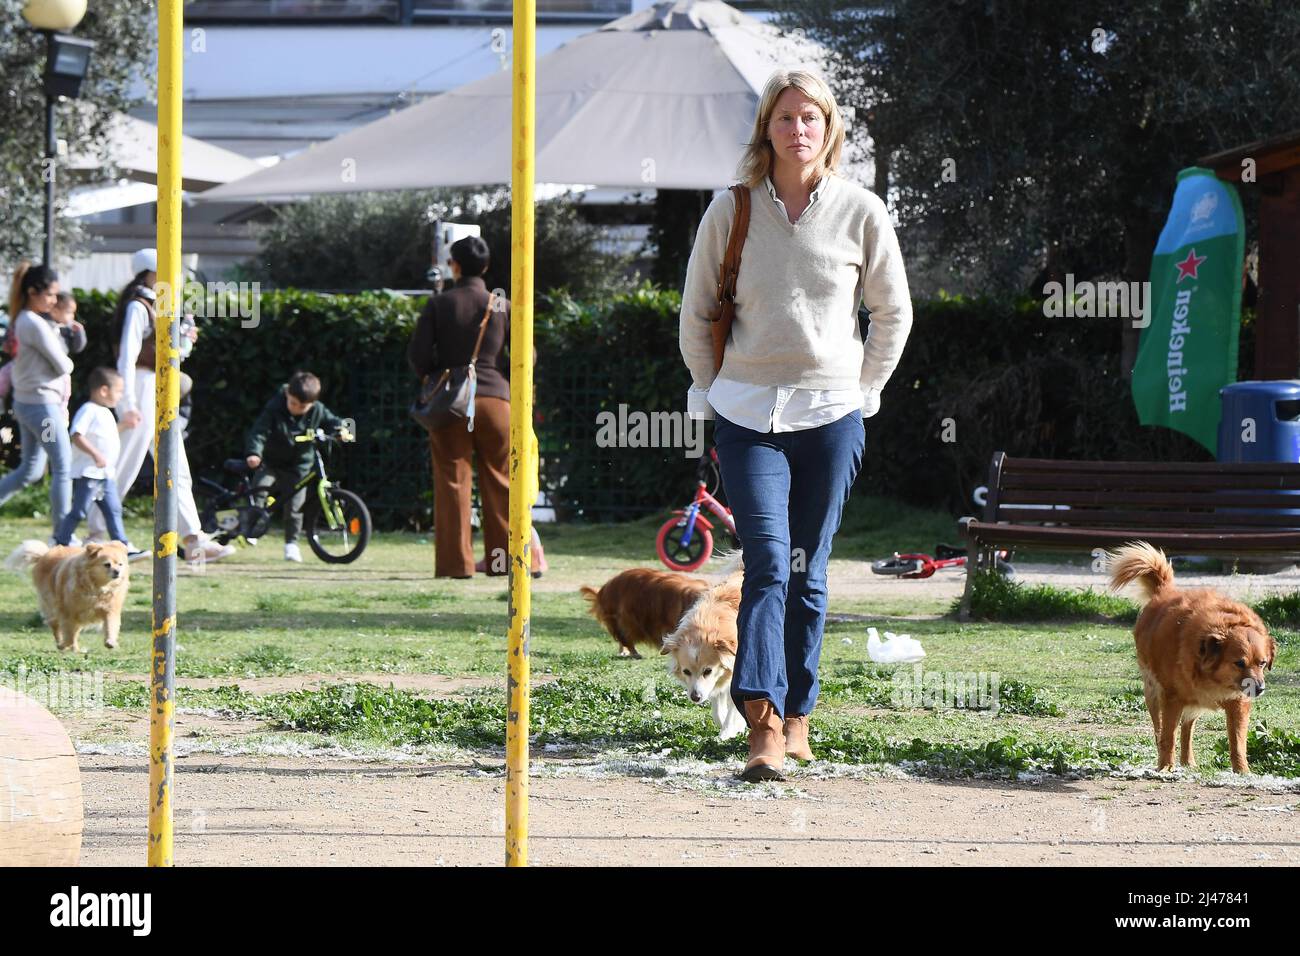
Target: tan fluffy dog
1198 651
77 587
703 650
640 606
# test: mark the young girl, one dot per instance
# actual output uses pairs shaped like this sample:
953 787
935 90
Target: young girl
39 369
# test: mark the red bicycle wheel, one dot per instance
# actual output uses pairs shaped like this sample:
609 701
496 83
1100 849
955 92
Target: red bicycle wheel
677 556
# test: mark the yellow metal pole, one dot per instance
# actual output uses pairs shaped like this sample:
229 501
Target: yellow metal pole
523 463
162 689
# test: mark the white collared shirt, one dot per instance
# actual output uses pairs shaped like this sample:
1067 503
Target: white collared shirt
780 408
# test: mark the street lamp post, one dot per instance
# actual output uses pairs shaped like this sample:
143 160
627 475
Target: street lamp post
66 61
51 157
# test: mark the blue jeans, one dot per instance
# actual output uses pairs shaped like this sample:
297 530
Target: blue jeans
787 492
100 491
43 435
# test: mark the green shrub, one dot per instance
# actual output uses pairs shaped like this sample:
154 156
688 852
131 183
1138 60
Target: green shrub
357 346
592 358
383 240
997 598
1270 750
1017 697
983 375
1280 610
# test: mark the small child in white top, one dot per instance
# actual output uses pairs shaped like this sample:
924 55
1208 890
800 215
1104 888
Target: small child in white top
74 336
95 447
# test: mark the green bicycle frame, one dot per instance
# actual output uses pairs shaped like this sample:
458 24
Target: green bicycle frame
333 511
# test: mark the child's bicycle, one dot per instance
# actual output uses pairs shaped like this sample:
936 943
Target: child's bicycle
924 566
336 521
685 542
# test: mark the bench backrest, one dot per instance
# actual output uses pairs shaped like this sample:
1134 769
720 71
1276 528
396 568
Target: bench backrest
1144 495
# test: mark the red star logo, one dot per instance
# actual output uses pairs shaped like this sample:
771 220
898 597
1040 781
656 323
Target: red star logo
1189 265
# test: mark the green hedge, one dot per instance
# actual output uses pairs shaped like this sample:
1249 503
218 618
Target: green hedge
1007 377
593 357
999 376
356 345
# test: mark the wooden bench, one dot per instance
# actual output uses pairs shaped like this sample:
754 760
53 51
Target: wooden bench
1181 507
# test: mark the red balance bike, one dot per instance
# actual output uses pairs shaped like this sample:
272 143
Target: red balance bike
924 566
685 541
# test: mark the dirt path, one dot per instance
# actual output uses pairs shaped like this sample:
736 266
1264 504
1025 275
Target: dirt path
234 811
853 579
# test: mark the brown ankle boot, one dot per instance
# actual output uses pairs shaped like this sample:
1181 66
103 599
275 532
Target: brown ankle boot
766 742
796 738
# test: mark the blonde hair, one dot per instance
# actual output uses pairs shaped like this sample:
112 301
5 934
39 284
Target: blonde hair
759 156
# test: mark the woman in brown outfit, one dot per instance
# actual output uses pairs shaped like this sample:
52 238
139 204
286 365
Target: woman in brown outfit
444 338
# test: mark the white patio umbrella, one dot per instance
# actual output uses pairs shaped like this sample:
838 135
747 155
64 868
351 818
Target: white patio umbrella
133 148
661 98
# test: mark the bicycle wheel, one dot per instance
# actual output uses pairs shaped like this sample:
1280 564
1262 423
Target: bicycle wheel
337 538
896 566
221 524
677 556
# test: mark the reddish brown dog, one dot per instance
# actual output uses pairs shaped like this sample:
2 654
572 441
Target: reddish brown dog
1197 650
640 606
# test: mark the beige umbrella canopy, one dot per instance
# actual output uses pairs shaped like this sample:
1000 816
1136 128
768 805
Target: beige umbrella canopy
133 149
661 98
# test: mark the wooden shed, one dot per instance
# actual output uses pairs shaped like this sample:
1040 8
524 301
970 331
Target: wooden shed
1273 167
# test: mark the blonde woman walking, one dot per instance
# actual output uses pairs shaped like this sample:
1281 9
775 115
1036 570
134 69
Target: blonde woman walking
796 381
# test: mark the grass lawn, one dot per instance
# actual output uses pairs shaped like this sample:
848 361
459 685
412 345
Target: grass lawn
1068 692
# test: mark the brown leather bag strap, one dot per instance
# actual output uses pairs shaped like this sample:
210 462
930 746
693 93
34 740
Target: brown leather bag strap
739 230
725 311
482 328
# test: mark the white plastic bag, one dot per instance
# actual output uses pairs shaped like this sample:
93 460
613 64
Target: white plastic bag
895 649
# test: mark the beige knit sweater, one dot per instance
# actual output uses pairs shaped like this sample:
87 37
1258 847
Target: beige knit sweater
798 291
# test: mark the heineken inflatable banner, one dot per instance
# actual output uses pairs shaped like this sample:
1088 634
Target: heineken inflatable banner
1188 349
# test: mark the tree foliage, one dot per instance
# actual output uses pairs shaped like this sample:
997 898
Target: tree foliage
383 240
1062 125
124 35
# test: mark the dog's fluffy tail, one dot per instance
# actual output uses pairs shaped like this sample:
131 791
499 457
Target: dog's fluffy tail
592 596
1142 564
25 555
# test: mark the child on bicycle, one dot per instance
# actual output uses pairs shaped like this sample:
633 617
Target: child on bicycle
280 443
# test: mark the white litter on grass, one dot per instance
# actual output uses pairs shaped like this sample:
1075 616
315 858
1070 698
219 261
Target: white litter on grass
1266 783
678 773
827 770
277 746
705 775
697 776
895 649
619 763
